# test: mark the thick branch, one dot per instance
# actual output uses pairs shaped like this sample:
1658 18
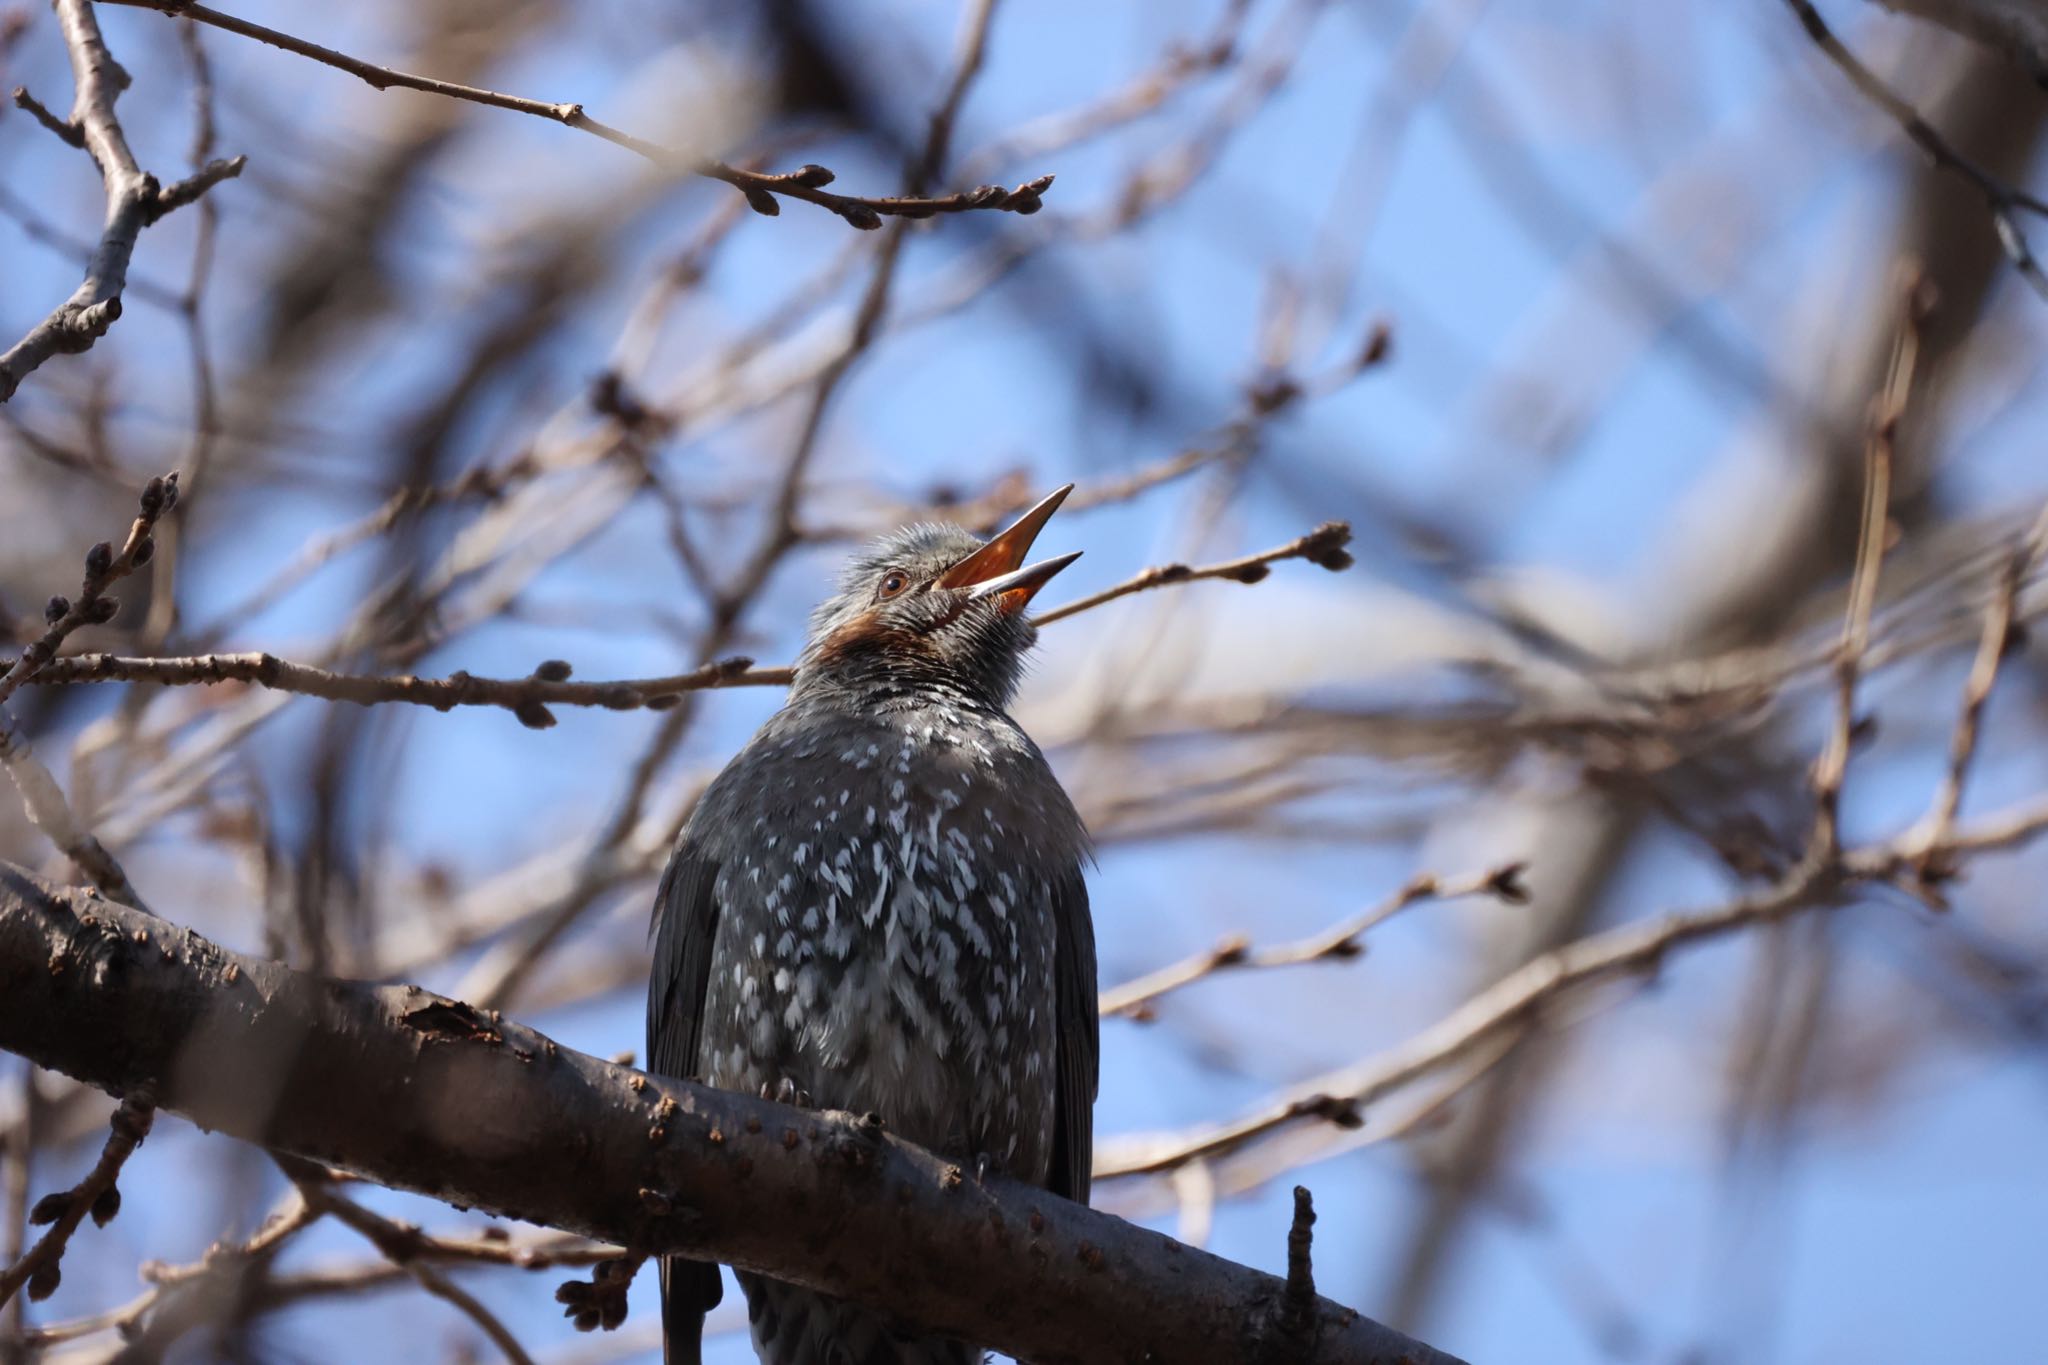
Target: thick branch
423 1093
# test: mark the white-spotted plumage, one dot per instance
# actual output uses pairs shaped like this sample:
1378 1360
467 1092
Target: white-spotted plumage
878 905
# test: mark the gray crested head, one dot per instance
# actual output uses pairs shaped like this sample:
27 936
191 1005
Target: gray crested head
930 609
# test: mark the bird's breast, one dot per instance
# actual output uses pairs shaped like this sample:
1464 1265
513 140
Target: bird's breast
886 943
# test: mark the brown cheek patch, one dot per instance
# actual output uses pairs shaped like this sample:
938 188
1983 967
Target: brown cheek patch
863 635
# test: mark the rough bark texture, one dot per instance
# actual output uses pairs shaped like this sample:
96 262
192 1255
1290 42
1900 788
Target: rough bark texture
419 1092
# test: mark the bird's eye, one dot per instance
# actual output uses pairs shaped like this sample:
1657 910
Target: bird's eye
893 583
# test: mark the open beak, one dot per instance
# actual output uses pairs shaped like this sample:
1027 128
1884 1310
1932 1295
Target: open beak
998 567
1019 585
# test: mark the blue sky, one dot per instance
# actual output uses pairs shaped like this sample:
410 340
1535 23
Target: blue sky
1903 1225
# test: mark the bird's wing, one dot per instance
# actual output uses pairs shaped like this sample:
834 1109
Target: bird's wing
685 925
1073 1143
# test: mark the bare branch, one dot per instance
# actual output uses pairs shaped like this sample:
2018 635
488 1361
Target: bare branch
104 566
367 1078
96 1195
1887 410
401 1246
2004 201
1338 943
1341 1097
549 684
1999 637
495 1248
1323 546
762 189
63 128
134 200
527 697
50 812
43 799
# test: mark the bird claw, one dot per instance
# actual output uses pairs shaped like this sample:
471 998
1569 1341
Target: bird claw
786 1091
981 1166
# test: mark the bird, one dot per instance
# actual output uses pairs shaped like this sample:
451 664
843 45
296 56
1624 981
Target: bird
880 905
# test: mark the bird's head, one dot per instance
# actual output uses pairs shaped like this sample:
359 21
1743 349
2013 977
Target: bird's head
933 608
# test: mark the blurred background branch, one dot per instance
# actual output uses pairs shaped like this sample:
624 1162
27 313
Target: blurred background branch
1575 316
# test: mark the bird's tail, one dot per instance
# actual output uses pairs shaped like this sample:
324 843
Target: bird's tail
689 1290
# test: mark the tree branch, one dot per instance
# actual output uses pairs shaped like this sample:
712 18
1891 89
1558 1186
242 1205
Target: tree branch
43 114
401 1246
134 199
96 1195
760 188
527 697
422 1093
43 799
2001 636
2004 202
1638 947
1323 546
1338 943
550 685
50 811
104 567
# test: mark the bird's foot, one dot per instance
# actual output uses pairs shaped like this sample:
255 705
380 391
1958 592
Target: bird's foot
785 1091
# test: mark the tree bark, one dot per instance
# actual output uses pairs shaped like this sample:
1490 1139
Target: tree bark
418 1092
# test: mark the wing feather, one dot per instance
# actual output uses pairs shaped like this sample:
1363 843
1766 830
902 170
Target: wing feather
1073 1147
685 928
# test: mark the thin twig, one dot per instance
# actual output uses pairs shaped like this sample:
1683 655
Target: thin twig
401 1244
1996 641
760 188
104 566
530 1253
134 201
549 685
441 1287
1338 943
1524 995
1181 67
164 602
1296 1327
42 114
44 802
18 1154
41 796
1323 546
96 1195
2004 201
1887 411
